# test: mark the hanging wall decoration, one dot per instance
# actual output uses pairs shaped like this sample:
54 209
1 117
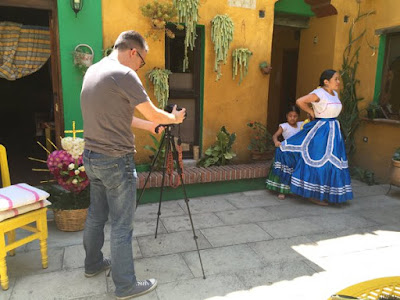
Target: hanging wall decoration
159 78
222 29
188 14
241 57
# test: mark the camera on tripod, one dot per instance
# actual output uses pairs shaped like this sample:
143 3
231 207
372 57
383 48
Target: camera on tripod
169 107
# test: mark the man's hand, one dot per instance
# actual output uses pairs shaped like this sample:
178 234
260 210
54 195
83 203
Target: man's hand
158 128
179 114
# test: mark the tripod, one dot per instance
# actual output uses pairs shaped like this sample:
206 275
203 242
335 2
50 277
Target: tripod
168 141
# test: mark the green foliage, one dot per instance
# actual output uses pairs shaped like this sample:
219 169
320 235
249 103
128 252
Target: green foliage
222 29
159 78
188 14
363 175
66 200
374 110
220 153
396 155
241 57
261 139
349 117
160 14
160 159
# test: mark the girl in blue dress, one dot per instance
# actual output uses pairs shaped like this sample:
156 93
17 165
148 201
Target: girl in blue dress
314 162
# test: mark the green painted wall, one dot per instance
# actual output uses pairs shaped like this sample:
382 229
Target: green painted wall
379 67
294 7
86 28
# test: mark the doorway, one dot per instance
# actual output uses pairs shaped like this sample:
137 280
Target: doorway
283 78
30 105
185 86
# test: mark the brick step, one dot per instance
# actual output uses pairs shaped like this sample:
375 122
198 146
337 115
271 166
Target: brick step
192 175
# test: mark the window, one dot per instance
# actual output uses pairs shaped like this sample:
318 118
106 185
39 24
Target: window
390 90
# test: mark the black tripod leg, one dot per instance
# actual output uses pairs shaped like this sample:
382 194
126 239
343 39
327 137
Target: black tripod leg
167 137
151 169
179 170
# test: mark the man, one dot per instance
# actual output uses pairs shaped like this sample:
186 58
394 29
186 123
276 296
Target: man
111 91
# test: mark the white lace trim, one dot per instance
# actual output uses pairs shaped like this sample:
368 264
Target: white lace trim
322 189
283 168
278 185
328 156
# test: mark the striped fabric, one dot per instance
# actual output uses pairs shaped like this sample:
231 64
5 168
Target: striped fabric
24 49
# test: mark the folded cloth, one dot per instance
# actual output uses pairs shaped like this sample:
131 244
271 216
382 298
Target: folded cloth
21 194
23 209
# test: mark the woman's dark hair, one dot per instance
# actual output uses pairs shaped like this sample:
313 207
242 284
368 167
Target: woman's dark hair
326 75
294 108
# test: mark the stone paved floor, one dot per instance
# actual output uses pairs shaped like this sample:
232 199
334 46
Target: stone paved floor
253 246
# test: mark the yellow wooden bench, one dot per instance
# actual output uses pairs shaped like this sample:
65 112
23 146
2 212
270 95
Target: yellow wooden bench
8 227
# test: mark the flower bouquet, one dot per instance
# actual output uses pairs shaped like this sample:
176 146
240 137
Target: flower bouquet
71 198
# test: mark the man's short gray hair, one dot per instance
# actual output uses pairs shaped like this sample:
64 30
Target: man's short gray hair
131 39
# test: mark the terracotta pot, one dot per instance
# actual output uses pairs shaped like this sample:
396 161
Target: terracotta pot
395 175
260 156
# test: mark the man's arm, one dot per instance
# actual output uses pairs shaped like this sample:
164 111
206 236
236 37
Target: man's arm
159 116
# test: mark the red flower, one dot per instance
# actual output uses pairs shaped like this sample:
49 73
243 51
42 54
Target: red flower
71 173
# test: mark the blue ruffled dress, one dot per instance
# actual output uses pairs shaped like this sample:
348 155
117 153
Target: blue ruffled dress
313 162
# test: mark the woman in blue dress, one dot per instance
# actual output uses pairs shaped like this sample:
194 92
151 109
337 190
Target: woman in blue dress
314 162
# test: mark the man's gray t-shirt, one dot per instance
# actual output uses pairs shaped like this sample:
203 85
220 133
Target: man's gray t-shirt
109 95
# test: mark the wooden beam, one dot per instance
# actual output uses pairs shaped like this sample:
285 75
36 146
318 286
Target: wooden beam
386 30
37 4
291 21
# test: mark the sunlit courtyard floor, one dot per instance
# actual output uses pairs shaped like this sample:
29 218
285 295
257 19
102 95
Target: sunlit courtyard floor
253 246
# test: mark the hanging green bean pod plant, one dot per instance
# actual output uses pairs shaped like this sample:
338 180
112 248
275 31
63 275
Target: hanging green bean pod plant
222 29
159 78
188 14
241 57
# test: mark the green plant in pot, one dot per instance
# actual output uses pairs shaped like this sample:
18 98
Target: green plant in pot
154 149
220 153
261 144
374 111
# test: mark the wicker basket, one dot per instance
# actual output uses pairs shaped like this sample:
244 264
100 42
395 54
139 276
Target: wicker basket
70 220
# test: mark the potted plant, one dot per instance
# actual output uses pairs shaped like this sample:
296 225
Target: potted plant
220 153
160 14
374 111
261 145
395 175
70 198
265 68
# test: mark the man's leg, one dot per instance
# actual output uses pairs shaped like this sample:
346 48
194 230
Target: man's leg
93 236
122 202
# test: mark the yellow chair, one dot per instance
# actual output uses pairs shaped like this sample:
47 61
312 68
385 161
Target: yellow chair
8 226
371 289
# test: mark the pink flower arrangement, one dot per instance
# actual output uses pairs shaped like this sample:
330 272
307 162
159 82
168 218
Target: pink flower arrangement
67 166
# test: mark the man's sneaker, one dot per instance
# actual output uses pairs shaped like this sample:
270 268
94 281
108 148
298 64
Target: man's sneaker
141 288
105 265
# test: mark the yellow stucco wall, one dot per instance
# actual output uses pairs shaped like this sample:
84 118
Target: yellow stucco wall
375 154
333 37
316 52
225 102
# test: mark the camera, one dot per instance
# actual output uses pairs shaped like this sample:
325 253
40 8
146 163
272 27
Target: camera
169 107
